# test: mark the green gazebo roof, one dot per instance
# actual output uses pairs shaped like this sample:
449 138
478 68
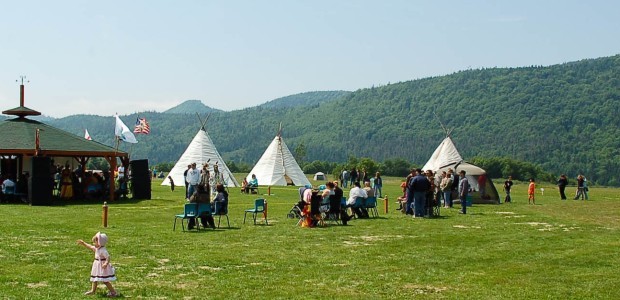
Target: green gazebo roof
18 137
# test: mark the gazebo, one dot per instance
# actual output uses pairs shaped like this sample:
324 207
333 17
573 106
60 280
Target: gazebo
24 140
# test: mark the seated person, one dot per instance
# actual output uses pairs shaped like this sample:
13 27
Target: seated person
201 197
356 192
8 188
369 191
252 185
221 199
302 194
244 184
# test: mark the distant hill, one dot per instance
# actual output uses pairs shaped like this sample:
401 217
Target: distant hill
562 117
190 107
305 99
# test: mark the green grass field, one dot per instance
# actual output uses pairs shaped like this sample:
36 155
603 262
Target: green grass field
552 250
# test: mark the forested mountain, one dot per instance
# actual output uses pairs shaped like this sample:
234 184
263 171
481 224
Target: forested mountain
305 99
562 117
191 107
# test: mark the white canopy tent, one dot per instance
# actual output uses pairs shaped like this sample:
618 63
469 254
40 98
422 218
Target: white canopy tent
447 157
277 166
200 151
320 176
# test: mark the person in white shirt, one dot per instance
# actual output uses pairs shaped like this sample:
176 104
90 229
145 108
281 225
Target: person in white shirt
193 178
356 192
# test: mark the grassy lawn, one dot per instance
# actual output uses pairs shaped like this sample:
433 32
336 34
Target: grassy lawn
552 250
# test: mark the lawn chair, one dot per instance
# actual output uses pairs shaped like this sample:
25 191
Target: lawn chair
203 208
371 205
333 214
357 206
259 207
190 212
219 211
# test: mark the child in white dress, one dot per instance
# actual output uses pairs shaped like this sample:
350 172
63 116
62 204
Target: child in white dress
102 270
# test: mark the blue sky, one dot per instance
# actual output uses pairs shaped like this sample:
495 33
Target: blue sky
102 57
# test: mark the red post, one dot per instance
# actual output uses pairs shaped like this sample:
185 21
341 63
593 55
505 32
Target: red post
269 190
385 203
104 216
21 94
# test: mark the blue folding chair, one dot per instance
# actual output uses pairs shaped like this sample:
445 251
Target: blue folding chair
259 207
221 210
371 205
203 208
190 212
359 204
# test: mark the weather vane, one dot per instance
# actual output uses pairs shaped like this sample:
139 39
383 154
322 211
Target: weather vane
22 77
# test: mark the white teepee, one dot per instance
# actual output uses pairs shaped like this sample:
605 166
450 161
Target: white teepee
200 151
446 156
276 164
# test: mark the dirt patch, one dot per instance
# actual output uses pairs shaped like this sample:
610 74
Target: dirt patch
425 289
37 285
466 227
209 268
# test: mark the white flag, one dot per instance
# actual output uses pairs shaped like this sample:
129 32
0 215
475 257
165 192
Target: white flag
86 135
123 133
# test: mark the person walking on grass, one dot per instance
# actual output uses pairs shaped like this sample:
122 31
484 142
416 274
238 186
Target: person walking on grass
562 183
463 191
102 270
531 190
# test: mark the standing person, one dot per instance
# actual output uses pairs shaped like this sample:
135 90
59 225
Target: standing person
430 194
171 183
365 176
345 178
205 177
189 167
580 188
102 270
378 184
353 176
507 187
562 183
193 178
419 187
463 191
408 194
446 188
585 187
531 190
66 183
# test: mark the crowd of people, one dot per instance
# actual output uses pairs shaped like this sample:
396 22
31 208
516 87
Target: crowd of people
423 191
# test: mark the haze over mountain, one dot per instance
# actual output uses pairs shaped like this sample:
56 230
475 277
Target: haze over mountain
562 117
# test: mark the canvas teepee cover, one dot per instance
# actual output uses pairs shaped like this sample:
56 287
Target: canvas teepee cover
276 164
447 157
199 151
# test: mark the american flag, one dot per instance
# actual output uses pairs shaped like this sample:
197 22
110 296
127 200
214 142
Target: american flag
142 126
